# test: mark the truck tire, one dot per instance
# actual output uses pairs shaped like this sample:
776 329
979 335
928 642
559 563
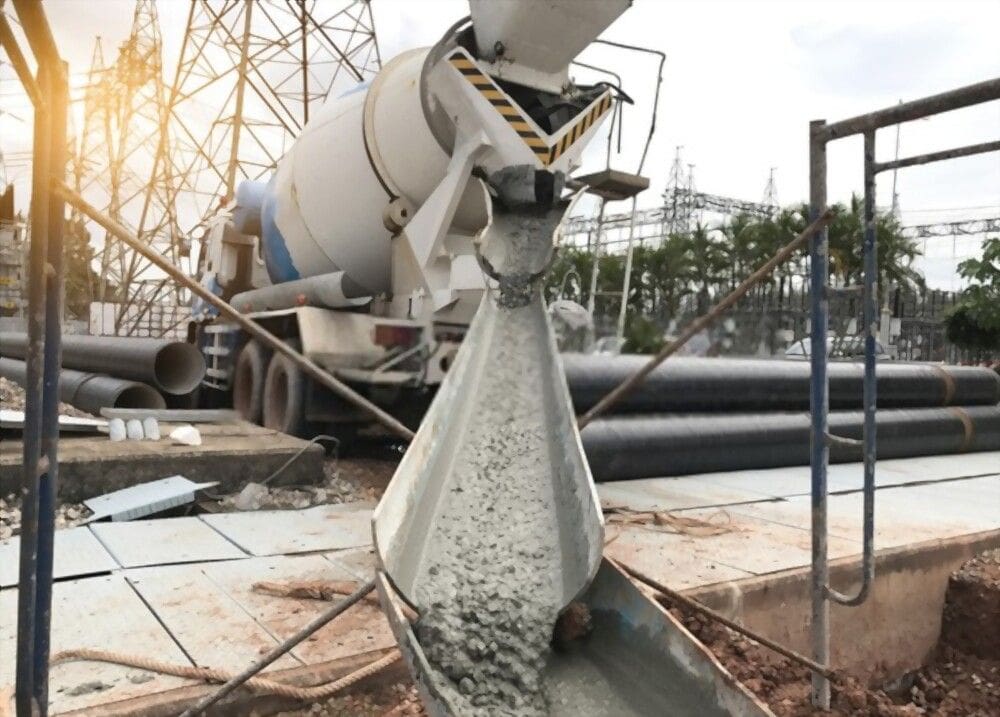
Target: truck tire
248 381
284 396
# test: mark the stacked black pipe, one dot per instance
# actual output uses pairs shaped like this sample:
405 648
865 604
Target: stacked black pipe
697 415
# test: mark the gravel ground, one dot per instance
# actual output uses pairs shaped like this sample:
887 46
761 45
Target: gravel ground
345 480
12 398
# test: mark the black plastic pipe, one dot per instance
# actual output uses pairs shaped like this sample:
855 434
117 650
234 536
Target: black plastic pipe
173 367
650 446
91 392
721 384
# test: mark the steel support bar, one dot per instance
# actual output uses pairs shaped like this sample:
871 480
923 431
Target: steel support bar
819 406
627 281
314 370
705 320
9 43
907 111
27 609
868 399
57 98
967 151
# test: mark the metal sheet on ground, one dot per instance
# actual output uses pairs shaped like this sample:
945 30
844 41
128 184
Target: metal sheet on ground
283 532
658 555
164 541
360 629
214 630
77 553
103 613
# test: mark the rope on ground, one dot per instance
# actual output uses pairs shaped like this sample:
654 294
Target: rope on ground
209 674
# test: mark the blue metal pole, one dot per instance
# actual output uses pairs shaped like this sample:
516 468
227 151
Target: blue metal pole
57 101
25 693
869 314
819 404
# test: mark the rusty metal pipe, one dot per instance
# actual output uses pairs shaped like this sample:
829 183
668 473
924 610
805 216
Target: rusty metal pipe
966 151
174 367
91 392
917 109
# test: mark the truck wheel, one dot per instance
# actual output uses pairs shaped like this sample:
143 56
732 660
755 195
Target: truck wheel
284 396
248 381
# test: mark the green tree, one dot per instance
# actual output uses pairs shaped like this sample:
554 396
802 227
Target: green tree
974 323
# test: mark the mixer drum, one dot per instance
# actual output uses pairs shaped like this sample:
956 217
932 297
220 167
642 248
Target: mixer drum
323 208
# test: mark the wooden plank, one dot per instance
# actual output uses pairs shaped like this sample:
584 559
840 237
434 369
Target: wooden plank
76 553
360 629
284 532
164 541
211 627
103 613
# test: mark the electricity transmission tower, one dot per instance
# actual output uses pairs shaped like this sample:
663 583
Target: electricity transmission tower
770 198
120 143
250 75
161 156
677 199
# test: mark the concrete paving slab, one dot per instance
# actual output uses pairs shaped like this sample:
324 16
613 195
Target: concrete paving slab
903 514
285 532
758 546
666 558
905 471
214 630
360 629
102 613
674 493
76 553
360 562
164 541
796 480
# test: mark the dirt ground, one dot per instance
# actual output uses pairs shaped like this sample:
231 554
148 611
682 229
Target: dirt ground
963 677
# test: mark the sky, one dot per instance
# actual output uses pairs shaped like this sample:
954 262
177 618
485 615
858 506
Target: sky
741 82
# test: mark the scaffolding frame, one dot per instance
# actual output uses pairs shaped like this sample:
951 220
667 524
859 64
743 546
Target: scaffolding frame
821 134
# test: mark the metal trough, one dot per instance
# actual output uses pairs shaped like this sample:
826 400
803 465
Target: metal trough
639 660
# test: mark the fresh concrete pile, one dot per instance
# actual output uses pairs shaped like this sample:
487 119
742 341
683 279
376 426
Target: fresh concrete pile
490 578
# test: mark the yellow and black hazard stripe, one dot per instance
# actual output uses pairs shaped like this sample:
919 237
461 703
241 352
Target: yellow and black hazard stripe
546 153
597 109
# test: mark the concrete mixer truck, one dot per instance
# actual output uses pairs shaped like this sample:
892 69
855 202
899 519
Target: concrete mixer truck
361 248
